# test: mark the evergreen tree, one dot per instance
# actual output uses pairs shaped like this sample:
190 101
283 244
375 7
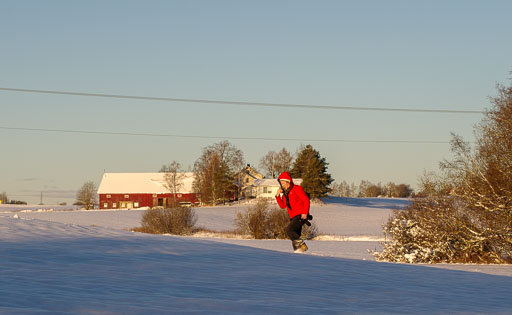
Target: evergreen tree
223 179
313 170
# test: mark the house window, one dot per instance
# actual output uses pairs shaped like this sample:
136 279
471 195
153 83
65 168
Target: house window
136 204
247 180
109 196
265 190
126 196
105 205
114 205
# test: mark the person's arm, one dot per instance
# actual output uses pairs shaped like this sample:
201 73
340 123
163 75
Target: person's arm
279 199
305 204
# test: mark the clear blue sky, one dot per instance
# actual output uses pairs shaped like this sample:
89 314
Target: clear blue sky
404 54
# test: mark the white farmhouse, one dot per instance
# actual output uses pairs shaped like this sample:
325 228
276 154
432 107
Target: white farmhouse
267 187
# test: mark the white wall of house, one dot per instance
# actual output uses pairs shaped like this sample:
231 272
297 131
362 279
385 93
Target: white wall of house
267 188
266 191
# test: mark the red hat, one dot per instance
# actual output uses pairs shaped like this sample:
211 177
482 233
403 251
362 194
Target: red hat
285 176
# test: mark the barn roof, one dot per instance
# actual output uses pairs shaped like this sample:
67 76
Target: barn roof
133 183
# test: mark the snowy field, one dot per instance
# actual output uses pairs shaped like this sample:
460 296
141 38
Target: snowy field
56 261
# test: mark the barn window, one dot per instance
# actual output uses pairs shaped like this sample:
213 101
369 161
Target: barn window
154 195
136 204
126 196
109 196
180 195
105 205
114 205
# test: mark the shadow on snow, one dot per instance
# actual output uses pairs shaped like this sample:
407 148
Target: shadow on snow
136 273
379 203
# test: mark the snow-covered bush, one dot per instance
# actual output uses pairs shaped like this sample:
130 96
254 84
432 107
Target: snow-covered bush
178 220
435 230
423 233
466 212
262 222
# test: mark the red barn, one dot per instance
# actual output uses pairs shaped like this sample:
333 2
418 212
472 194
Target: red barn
136 190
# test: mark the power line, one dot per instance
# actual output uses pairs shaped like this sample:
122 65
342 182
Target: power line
220 137
245 103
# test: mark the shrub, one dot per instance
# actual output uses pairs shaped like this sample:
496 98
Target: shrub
466 212
178 220
261 222
436 230
425 232
309 232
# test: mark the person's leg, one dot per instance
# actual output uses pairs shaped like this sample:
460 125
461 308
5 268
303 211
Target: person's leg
294 229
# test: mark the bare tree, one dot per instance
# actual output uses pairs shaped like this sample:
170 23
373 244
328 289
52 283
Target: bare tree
340 190
87 195
268 164
274 163
173 178
284 161
363 187
3 197
465 213
345 189
227 153
239 175
353 190
403 191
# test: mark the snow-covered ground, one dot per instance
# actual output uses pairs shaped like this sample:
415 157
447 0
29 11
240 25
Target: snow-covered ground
86 262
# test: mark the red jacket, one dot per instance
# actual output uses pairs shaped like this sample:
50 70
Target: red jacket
299 201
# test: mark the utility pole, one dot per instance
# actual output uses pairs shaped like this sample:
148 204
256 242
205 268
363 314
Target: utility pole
41 198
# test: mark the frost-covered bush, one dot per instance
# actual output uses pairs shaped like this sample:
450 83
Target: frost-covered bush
435 230
262 222
423 233
178 220
466 212
446 229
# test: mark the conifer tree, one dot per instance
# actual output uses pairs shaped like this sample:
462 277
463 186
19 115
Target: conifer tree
313 170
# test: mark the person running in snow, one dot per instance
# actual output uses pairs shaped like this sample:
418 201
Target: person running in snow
295 200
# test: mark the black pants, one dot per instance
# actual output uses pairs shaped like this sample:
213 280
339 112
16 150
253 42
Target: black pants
294 229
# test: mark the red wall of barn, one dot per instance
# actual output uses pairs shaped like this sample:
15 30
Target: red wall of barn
144 200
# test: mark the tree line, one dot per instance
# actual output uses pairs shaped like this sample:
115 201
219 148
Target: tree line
4 199
218 171
218 176
369 189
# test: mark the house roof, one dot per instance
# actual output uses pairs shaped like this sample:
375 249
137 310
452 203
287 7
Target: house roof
251 172
133 183
272 182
